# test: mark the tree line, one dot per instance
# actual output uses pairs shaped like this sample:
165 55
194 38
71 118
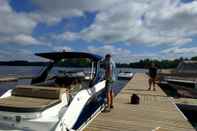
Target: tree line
163 64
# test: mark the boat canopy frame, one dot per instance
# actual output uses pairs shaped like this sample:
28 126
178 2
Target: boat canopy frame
57 56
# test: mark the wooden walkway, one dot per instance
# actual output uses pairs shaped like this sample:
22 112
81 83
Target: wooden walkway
156 111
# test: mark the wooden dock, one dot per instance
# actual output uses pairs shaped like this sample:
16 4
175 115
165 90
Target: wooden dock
156 111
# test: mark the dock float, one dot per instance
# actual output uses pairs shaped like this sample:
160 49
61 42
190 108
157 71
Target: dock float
156 111
14 78
8 79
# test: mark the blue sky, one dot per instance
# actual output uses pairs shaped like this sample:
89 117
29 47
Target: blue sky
129 30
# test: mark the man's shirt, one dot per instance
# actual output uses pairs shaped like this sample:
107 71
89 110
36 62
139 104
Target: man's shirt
110 70
152 72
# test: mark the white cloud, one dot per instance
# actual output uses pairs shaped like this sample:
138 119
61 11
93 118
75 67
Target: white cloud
177 50
150 22
67 36
20 39
19 54
15 27
25 39
140 21
53 11
53 16
63 48
12 23
119 54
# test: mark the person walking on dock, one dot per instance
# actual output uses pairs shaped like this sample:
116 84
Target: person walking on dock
109 66
153 76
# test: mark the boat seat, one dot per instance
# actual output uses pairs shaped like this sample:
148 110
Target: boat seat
26 104
27 98
38 92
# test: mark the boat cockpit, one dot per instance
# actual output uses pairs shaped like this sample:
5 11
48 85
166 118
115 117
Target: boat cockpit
55 81
67 94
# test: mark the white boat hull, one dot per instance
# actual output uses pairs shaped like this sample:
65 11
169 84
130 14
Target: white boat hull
57 118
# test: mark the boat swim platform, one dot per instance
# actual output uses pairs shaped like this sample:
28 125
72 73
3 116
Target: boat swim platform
156 111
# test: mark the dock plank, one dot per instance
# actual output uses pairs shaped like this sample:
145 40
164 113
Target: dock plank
155 111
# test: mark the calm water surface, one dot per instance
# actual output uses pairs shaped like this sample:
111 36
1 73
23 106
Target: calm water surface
36 70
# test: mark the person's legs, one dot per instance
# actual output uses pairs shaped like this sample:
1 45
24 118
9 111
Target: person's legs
150 83
106 95
154 84
111 99
108 99
153 81
107 106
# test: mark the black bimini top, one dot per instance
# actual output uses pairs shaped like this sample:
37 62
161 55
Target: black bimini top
60 55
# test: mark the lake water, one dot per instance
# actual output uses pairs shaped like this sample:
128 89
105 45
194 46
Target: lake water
36 70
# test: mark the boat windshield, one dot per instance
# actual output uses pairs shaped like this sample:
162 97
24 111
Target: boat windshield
71 68
69 73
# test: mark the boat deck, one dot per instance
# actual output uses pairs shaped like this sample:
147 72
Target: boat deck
156 111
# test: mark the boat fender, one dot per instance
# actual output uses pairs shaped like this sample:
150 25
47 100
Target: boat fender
135 99
18 119
64 99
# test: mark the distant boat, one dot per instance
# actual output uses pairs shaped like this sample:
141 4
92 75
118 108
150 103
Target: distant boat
125 75
63 102
183 78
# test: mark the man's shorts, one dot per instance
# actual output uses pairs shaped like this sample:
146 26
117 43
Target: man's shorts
153 77
108 86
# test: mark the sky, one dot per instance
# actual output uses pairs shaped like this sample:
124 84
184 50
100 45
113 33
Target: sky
128 29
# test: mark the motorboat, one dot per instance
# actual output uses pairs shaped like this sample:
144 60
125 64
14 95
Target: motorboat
183 79
55 100
125 75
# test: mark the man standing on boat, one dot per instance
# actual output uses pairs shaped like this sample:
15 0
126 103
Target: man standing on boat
153 76
109 66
